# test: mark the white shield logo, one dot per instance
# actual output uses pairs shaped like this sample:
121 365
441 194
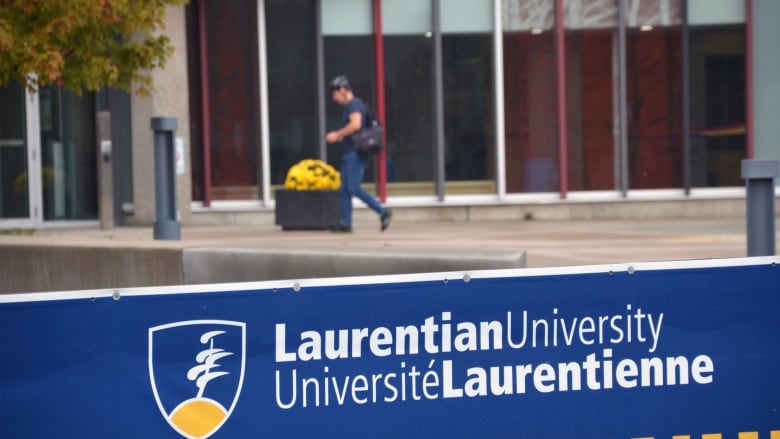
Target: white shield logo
196 368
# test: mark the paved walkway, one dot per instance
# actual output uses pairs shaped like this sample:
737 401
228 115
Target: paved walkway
547 243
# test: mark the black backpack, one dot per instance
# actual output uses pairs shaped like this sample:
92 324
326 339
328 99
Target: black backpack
369 140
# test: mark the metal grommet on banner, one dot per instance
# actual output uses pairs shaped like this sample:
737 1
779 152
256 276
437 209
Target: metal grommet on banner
446 280
116 295
630 269
296 287
466 278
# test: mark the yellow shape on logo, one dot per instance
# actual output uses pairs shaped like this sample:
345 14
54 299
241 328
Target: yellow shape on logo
198 417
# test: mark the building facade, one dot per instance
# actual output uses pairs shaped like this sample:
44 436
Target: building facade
488 101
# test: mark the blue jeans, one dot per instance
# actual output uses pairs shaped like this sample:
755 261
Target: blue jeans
352 169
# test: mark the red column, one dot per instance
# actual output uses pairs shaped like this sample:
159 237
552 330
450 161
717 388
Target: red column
560 56
379 57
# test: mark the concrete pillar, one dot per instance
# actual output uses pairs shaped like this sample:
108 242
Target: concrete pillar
766 78
169 98
166 224
759 178
105 161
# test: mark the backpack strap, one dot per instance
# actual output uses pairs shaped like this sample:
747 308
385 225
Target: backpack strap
370 117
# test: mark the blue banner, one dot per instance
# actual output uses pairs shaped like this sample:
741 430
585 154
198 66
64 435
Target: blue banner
650 350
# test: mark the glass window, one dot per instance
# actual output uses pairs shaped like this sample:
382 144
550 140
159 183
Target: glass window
347 17
409 106
195 100
468 107
654 88
407 17
590 86
530 96
352 56
292 83
466 16
234 113
717 69
467 49
590 14
528 15
349 50
664 13
408 44
709 12
68 155
14 192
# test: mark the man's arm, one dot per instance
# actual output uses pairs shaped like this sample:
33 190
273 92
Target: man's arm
353 126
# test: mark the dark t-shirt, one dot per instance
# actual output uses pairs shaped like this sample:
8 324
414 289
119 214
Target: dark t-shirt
356 105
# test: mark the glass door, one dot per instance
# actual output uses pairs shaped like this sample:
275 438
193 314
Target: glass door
68 155
14 181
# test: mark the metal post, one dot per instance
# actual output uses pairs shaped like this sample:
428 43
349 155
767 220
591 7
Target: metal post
498 92
264 179
166 225
623 97
560 73
322 95
438 101
105 169
686 99
759 178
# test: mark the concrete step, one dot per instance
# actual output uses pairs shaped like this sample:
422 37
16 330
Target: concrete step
543 209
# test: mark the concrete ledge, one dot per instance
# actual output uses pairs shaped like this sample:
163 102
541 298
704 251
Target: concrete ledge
36 268
240 264
618 209
39 267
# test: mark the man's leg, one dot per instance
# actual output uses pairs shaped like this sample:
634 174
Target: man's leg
352 171
348 166
384 213
358 191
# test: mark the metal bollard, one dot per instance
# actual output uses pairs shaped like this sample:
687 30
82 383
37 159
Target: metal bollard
105 170
166 225
759 178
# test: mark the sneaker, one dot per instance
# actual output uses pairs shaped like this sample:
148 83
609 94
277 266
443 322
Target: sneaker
385 219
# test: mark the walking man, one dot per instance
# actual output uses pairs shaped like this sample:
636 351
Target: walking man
353 166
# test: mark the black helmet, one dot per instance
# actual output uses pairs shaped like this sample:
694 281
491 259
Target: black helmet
338 82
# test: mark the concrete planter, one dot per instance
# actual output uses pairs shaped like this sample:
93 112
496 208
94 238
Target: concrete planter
307 210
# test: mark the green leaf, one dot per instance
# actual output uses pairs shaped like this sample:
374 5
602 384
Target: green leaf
83 44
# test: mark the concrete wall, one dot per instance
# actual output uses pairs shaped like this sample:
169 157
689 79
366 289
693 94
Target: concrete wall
170 98
28 267
33 266
561 210
240 264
